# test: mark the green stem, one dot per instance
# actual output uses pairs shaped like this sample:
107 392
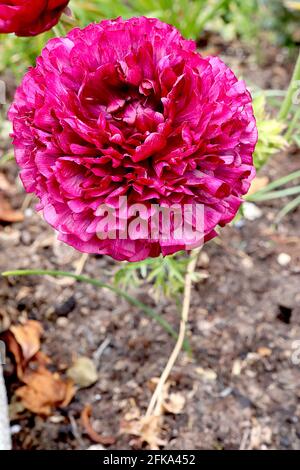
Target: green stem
288 101
292 125
56 31
95 282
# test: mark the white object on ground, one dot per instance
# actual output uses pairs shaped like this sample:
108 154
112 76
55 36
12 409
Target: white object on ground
283 259
5 440
251 211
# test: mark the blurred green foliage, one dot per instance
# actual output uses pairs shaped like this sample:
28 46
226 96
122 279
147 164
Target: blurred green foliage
270 138
166 274
190 16
229 18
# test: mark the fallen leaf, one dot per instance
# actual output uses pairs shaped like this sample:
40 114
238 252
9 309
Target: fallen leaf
83 372
15 349
44 391
260 435
93 435
7 213
258 183
28 336
147 429
174 403
207 374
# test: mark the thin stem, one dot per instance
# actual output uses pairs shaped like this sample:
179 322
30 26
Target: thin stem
56 31
95 282
81 263
292 125
157 397
288 101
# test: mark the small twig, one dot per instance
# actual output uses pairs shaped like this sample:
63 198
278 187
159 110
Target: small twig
100 350
157 397
75 431
26 202
81 263
5 439
245 439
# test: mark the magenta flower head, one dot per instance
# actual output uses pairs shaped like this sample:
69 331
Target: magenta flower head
30 17
123 120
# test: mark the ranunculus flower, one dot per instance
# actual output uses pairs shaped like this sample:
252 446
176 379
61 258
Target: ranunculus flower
30 17
128 108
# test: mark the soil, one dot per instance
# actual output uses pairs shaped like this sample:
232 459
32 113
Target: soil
242 382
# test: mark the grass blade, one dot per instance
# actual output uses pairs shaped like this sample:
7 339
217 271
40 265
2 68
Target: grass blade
289 207
277 183
268 196
95 282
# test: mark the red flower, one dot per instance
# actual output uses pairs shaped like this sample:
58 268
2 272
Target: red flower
29 18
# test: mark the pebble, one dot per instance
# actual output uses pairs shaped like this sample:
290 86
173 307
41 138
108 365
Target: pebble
251 211
247 263
15 429
96 447
283 259
62 322
28 212
66 307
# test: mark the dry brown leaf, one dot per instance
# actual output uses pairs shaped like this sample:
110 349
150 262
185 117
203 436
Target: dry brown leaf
16 351
258 183
147 429
174 403
170 402
93 435
7 213
44 391
23 341
28 336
